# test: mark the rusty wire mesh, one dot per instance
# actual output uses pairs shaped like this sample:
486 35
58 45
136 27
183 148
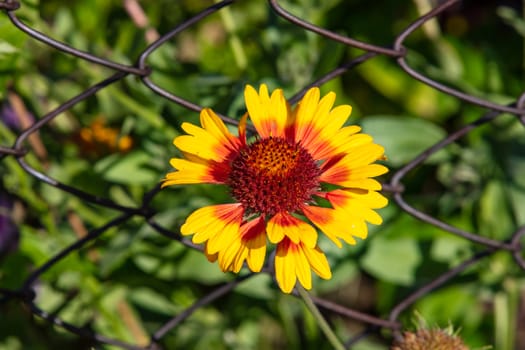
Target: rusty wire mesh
397 51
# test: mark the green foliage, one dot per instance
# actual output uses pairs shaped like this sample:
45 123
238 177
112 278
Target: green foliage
132 280
404 138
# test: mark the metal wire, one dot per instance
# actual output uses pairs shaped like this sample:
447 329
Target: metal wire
397 52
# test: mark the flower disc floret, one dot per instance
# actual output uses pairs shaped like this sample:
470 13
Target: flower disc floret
273 175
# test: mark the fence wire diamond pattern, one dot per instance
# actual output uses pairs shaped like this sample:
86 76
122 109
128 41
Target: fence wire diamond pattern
397 52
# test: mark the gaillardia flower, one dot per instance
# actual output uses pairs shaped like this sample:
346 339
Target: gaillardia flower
303 169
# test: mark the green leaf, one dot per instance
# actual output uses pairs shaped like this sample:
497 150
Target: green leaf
392 260
147 263
117 254
342 273
150 300
194 266
449 249
512 18
111 319
517 198
495 220
143 113
132 168
404 137
6 49
258 286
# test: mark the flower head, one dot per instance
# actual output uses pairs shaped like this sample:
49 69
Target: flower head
99 139
298 159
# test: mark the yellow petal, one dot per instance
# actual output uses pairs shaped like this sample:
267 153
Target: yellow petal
367 184
370 170
256 253
242 129
253 235
355 167
318 262
358 204
295 261
335 120
302 266
317 125
198 142
280 110
231 256
283 224
331 223
209 222
346 143
211 142
372 199
215 126
284 267
268 114
330 138
248 244
305 112
189 172
210 257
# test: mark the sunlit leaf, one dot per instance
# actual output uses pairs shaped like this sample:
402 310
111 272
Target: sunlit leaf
404 137
392 260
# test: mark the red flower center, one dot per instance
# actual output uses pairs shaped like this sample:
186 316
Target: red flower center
273 175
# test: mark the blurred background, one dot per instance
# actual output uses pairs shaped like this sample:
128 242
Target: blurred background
117 144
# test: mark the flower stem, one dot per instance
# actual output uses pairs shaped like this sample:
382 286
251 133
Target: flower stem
325 327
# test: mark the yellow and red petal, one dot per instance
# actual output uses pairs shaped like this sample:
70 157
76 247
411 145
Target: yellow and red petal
254 236
305 128
346 140
355 208
358 203
358 156
355 168
294 261
326 143
331 145
335 120
217 225
211 142
316 123
233 256
216 128
242 129
192 172
371 199
336 224
283 224
249 246
269 115
304 113
198 142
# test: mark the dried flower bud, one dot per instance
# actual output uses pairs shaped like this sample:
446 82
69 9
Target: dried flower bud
430 339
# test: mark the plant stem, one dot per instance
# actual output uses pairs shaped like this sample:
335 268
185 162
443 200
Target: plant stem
325 327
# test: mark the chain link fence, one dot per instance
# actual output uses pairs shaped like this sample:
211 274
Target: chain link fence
396 52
